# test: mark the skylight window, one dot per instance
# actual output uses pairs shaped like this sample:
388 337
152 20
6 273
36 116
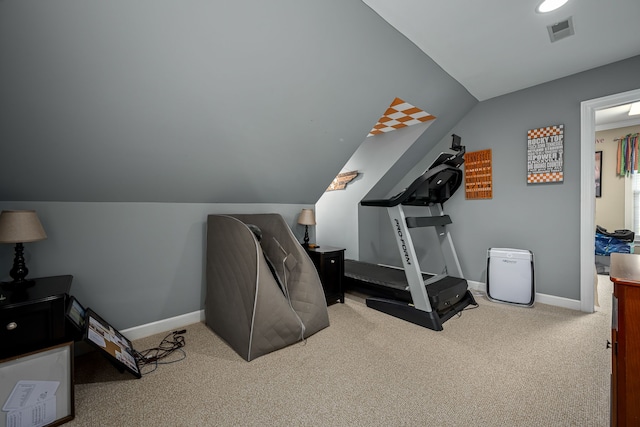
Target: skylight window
550 5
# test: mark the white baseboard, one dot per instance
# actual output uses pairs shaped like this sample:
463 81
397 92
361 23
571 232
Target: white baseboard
558 301
477 286
164 325
183 320
541 298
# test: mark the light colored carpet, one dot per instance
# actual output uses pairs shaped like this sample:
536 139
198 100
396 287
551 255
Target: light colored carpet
497 365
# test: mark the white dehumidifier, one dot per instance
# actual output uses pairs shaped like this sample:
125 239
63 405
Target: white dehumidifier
510 276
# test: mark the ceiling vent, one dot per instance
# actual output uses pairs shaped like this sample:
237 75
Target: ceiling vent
560 30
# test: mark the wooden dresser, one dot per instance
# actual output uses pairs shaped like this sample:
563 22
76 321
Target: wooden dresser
625 340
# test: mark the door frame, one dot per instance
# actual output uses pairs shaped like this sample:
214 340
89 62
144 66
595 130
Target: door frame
587 189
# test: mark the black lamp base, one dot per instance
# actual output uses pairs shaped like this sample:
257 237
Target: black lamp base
306 236
19 271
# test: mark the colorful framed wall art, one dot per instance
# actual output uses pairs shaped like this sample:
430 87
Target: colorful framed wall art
545 155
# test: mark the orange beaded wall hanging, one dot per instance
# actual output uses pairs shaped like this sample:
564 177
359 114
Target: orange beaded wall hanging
478 175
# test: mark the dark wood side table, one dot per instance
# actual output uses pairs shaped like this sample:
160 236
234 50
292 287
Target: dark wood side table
329 262
33 317
625 340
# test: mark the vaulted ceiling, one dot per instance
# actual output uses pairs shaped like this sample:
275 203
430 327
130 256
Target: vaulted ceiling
494 47
233 102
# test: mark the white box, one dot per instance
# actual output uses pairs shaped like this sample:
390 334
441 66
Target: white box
510 276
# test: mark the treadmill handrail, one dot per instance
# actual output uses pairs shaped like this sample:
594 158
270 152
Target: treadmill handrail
428 221
403 196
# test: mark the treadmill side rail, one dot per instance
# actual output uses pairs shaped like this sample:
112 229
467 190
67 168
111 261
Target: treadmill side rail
409 258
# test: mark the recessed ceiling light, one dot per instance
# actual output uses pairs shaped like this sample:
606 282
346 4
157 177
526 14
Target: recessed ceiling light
635 109
550 5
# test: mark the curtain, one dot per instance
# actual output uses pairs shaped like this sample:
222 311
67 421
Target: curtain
636 203
628 165
627 161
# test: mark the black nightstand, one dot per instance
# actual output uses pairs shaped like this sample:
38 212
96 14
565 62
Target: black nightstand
33 317
329 262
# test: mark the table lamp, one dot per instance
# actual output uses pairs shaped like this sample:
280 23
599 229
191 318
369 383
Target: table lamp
306 218
20 227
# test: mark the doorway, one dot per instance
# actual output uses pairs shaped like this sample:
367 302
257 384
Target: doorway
587 189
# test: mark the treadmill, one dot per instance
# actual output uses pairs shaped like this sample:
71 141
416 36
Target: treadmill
426 300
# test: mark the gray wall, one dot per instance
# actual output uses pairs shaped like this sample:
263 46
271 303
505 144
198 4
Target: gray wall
133 263
143 116
543 218
197 105
208 102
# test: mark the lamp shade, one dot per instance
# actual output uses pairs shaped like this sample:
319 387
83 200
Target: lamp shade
20 227
307 217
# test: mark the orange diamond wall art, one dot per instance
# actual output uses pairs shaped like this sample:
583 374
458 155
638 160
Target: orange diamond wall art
400 114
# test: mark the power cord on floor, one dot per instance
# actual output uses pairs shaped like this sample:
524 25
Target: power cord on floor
469 307
170 344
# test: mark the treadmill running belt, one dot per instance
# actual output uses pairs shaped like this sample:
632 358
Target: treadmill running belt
377 274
